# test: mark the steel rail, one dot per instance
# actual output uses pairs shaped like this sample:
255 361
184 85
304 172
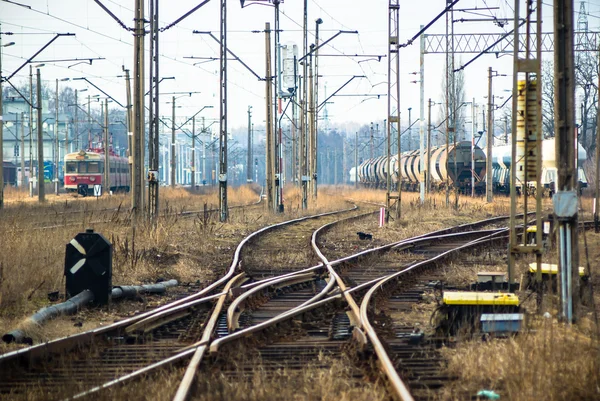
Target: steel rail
238 305
215 345
161 312
190 372
82 338
355 318
198 349
234 313
386 363
66 343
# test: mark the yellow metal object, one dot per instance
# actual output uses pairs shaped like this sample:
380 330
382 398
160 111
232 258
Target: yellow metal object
532 229
480 298
527 141
548 268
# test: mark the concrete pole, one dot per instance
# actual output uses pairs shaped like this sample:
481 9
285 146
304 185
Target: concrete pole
566 156
356 160
422 118
22 150
270 152
428 172
249 155
204 154
76 138
193 166
597 178
473 132
30 131
89 146
106 151
56 144
173 165
137 166
490 140
318 22
40 137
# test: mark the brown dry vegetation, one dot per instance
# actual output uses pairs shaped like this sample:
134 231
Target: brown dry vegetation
550 361
553 362
187 249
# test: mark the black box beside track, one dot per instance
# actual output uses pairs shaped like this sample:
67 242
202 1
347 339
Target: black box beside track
88 266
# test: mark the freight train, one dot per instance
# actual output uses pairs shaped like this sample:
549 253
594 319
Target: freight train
372 173
469 159
85 169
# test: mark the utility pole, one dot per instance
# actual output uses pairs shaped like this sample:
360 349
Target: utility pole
566 200
56 145
409 129
76 139
371 140
137 204
30 130
490 140
422 118
193 181
153 117
40 138
428 171
204 178
249 156
393 97
312 126
173 165
597 180
356 160
129 130
315 139
224 211
473 132
106 150
89 146
270 151
277 139
304 111
22 150
447 106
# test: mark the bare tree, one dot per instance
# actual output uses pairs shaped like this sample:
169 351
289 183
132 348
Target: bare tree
456 102
548 99
586 76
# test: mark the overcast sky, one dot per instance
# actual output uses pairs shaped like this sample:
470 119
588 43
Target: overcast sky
98 35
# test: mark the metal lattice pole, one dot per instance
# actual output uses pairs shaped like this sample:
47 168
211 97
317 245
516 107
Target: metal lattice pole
223 116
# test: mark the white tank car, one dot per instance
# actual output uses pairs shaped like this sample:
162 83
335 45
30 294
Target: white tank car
501 160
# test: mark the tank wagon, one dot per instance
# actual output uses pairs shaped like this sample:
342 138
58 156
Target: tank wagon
501 161
373 173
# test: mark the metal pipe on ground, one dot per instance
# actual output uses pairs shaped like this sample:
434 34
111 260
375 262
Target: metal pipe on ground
74 304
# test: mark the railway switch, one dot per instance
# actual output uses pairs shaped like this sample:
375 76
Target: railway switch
88 266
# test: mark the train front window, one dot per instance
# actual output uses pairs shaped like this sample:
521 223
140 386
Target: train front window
71 167
94 167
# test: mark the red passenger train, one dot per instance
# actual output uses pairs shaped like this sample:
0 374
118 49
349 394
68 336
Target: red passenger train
85 169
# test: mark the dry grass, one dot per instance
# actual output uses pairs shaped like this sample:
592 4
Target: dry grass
553 363
194 249
328 379
189 250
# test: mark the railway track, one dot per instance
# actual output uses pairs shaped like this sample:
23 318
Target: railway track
311 303
139 344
